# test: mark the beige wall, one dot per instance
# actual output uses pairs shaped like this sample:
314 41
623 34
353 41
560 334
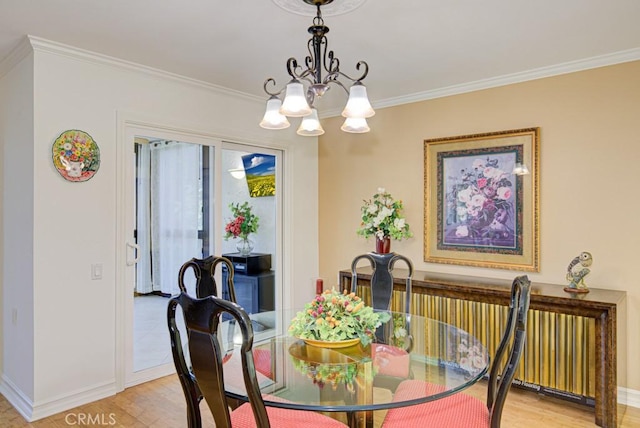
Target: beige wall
589 176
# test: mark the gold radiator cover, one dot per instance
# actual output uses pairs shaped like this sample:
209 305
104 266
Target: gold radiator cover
559 351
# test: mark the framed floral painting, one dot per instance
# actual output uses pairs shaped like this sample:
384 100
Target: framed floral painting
482 200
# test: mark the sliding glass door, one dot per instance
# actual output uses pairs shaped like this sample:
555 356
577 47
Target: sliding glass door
180 202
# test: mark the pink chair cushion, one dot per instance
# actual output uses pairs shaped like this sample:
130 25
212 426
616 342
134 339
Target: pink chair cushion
390 360
243 417
457 410
262 361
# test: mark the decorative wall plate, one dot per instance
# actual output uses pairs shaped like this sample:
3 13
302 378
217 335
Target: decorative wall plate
76 155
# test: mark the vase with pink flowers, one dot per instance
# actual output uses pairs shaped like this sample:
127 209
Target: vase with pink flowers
243 223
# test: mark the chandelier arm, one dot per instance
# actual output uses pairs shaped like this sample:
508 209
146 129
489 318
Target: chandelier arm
292 67
310 60
333 64
337 82
292 64
358 65
273 81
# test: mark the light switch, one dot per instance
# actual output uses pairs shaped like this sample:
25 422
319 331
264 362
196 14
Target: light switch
96 271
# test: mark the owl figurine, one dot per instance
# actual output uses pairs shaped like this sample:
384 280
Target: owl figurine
576 271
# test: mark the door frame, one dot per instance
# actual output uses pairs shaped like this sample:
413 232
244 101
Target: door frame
128 126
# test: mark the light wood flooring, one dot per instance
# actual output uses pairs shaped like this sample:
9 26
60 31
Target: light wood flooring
160 403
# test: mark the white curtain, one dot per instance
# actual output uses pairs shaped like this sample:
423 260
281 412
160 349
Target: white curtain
143 219
174 192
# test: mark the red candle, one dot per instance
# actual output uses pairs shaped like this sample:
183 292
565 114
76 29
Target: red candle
319 286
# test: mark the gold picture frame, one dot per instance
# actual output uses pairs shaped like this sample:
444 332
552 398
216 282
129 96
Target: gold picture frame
481 200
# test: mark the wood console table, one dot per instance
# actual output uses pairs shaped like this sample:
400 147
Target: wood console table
606 307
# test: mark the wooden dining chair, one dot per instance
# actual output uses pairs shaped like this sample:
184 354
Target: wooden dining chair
392 362
204 271
462 410
206 377
381 286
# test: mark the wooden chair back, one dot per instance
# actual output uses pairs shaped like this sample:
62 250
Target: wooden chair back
512 344
202 317
204 271
382 286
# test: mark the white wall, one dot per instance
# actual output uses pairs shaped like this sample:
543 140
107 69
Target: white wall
74 224
16 135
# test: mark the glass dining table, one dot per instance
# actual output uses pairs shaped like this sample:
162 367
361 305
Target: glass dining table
355 379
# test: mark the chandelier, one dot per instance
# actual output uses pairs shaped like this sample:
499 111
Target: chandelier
299 102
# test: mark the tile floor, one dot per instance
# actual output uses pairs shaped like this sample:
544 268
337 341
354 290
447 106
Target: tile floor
151 344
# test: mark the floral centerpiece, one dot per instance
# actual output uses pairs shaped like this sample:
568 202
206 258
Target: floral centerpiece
382 217
244 223
334 317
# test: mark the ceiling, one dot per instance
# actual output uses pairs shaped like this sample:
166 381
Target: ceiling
416 49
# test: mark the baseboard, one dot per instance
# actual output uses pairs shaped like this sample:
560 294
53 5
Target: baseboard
16 398
74 399
146 375
33 411
629 397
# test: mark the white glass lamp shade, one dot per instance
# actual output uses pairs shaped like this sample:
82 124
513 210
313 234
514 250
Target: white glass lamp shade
295 103
355 125
358 105
310 125
273 119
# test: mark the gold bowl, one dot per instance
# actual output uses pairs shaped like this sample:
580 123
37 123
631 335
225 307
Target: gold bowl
332 344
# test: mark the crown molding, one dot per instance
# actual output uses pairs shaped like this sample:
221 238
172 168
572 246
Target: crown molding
508 79
47 46
20 52
37 44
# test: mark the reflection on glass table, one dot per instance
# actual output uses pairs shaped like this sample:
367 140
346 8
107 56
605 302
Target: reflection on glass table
296 375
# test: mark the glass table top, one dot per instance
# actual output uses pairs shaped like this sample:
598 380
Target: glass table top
294 374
